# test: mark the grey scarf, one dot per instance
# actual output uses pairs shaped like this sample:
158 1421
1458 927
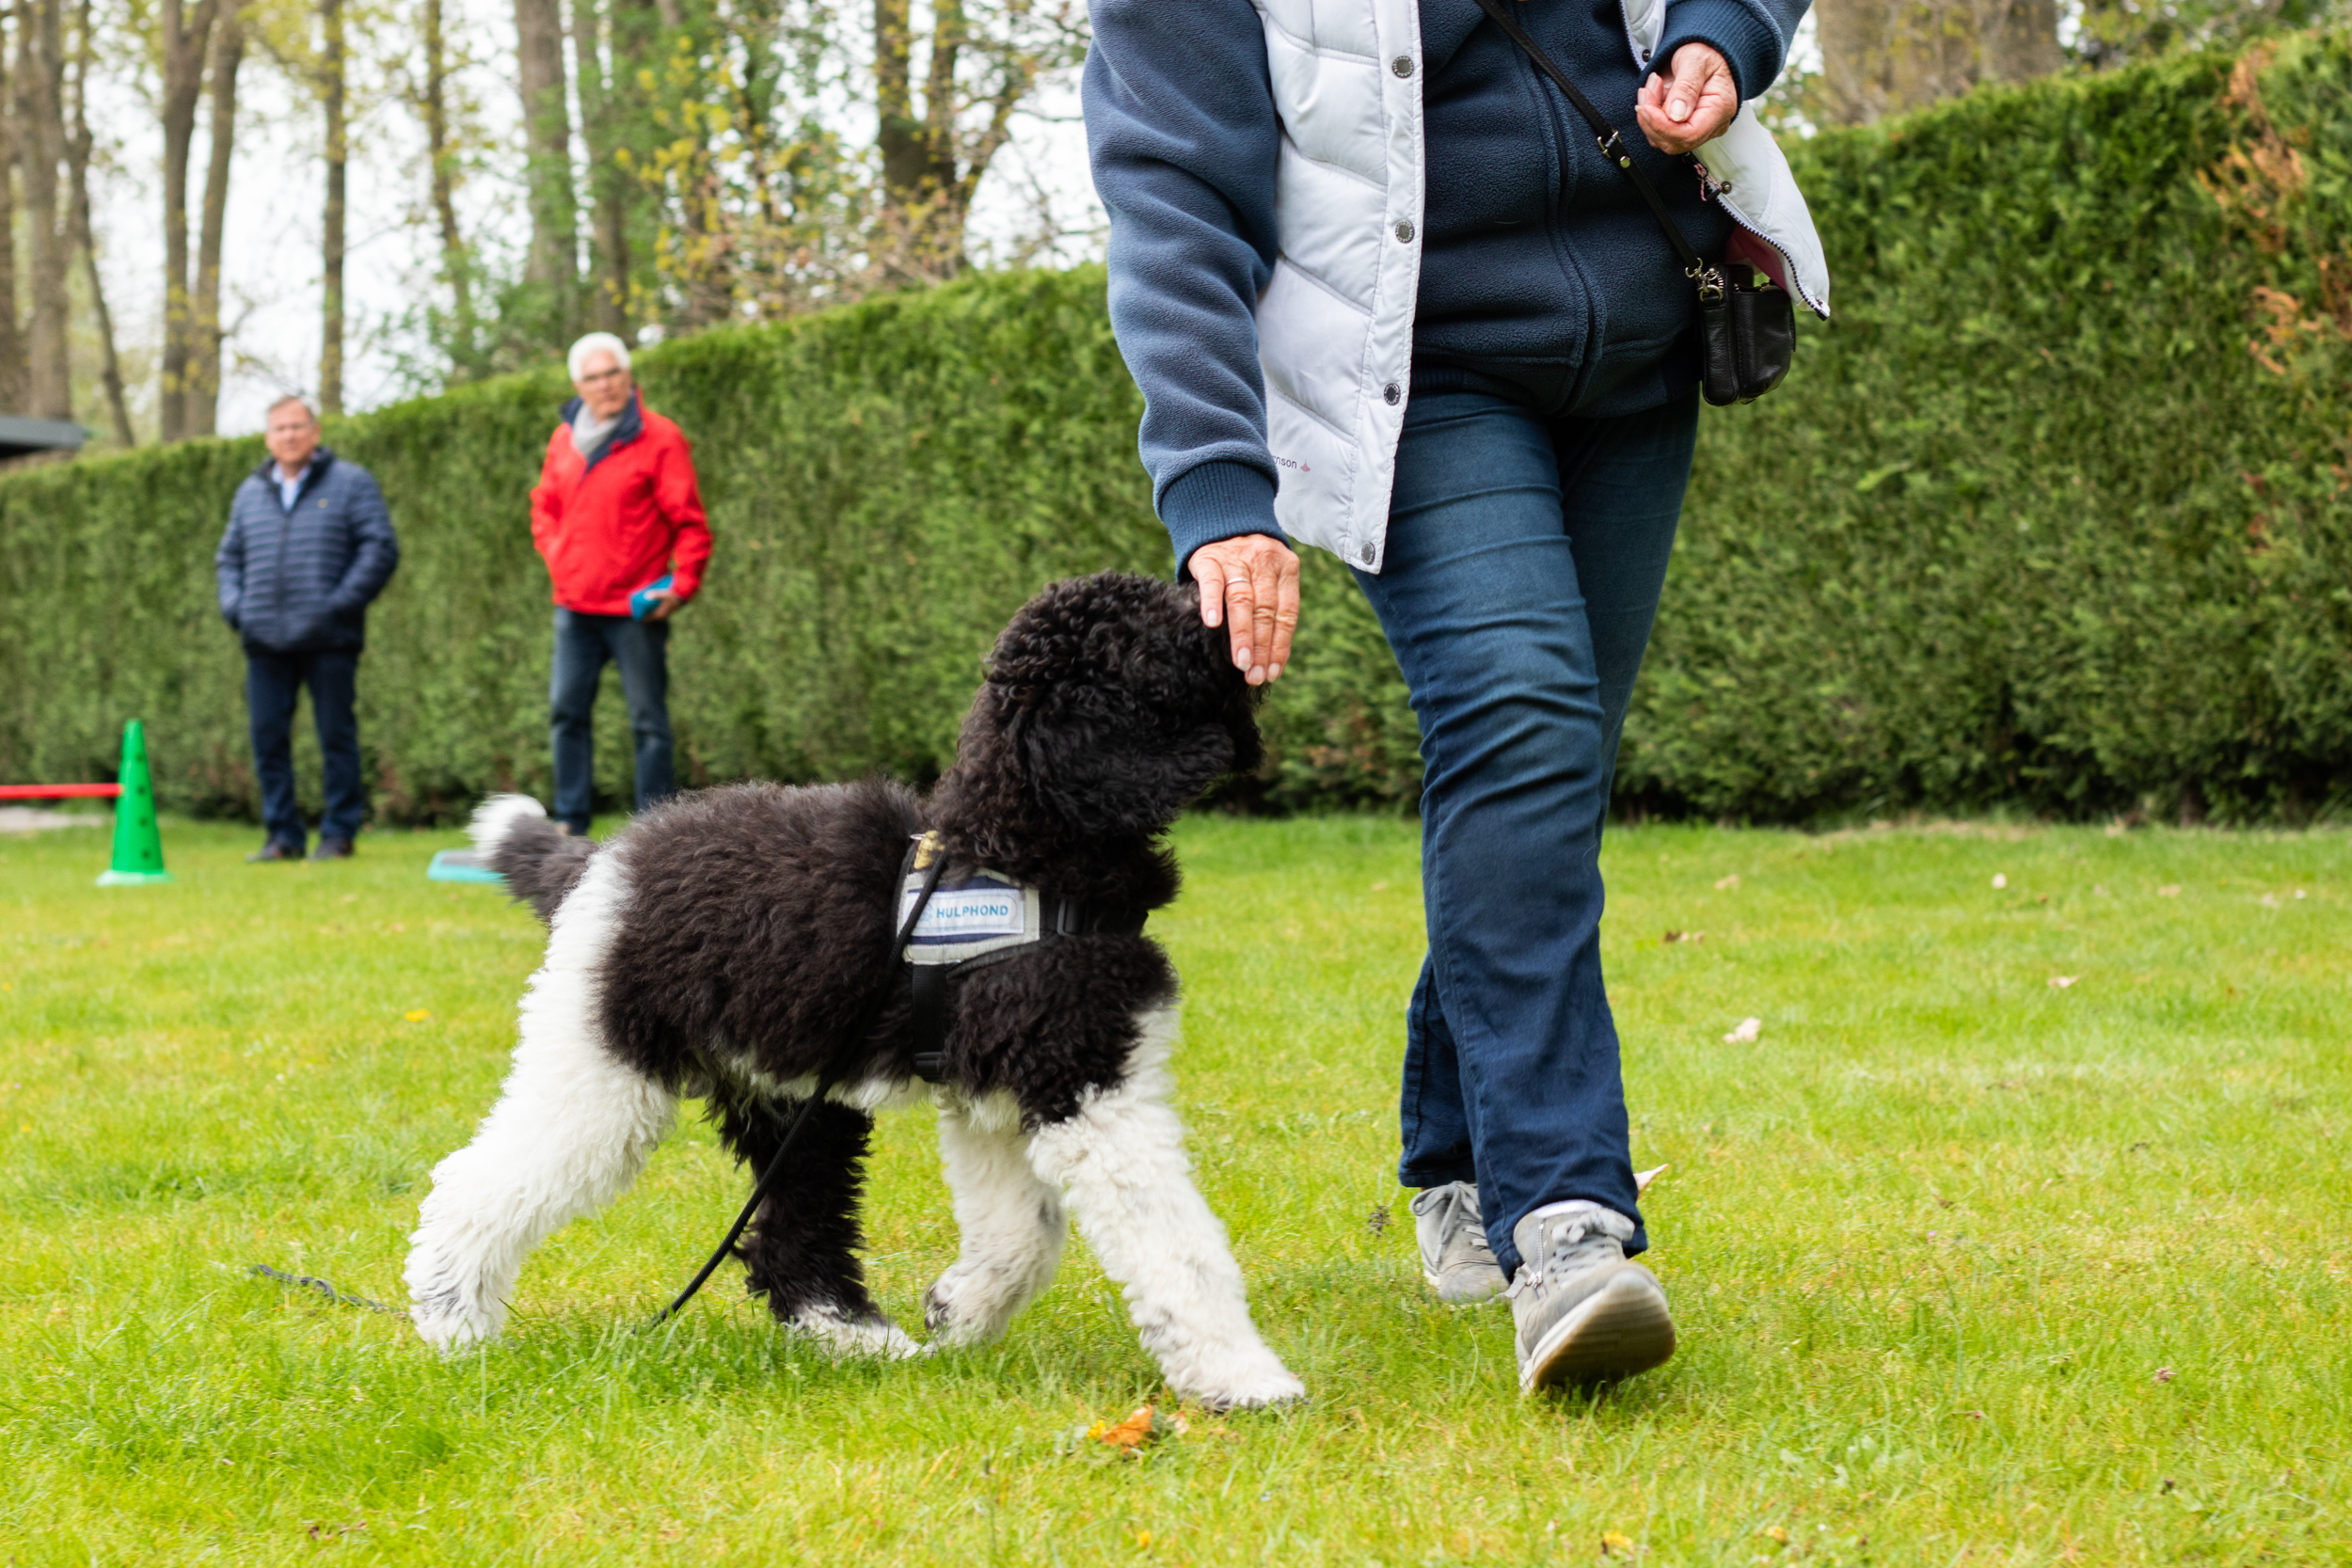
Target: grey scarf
588 432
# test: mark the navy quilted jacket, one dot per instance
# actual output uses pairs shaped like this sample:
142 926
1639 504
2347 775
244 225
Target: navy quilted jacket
298 579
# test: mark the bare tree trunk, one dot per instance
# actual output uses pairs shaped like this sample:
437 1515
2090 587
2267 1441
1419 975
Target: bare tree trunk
608 182
2021 40
453 258
918 166
200 385
11 331
41 153
79 143
187 37
553 262
1881 58
331 88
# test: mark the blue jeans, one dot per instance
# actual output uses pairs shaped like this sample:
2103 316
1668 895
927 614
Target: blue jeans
272 681
641 648
1525 557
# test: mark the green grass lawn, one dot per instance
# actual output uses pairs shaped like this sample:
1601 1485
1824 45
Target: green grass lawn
1967 1265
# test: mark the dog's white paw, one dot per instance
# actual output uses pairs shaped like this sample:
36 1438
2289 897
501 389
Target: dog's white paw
960 1308
844 1334
444 1321
1252 1387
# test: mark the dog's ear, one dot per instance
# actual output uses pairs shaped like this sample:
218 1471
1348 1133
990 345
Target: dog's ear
1120 705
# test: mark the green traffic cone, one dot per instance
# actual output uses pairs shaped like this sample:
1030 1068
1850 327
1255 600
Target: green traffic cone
139 847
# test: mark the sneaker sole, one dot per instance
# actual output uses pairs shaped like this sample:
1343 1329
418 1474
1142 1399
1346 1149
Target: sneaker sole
1624 1329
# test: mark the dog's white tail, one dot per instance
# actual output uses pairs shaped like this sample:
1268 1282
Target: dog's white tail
496 817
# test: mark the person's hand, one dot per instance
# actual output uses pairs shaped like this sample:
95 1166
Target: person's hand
1253 582
1692 105
663 602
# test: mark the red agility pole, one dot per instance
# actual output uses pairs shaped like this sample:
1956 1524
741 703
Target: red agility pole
58 792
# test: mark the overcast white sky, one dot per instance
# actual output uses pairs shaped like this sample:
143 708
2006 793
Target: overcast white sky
271 254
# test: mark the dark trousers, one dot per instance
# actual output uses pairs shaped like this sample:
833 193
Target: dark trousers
272 681
1525 557
641 648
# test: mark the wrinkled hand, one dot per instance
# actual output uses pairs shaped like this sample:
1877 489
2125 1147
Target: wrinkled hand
1253 580
1692 105
663 602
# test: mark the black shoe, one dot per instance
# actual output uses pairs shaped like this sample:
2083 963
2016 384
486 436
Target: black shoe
332 849
276 849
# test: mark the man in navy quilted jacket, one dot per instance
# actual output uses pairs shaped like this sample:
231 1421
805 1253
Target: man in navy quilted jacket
310 544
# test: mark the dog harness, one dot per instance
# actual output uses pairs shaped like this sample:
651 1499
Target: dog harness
970 920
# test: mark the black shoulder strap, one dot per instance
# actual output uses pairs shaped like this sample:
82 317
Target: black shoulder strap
1611 146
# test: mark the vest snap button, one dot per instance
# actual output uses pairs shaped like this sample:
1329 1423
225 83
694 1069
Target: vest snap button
1402 65
1392 394
1367 554
1405 231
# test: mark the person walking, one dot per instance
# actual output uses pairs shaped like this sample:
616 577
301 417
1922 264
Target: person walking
309 546
619 522
1384 293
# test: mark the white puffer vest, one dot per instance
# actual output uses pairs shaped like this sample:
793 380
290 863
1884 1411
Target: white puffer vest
1335 326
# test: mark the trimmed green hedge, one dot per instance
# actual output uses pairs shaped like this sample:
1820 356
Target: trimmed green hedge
2050 515
2053 512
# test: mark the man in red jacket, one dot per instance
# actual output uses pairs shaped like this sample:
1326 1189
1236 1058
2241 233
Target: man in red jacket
618 520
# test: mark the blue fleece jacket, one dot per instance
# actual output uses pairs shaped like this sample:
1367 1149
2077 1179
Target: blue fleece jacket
299 579
1544 278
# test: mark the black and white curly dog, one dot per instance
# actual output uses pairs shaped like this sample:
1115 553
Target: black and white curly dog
731 944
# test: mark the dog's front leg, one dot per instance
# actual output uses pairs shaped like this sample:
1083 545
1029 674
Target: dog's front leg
1121 1159
570 1132
1012 1222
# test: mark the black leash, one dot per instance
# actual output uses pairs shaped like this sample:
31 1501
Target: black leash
826 1082
309 1282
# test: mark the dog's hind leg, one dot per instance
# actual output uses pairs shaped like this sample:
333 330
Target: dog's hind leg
802 1249
570 1132
1121 1159
1012 1222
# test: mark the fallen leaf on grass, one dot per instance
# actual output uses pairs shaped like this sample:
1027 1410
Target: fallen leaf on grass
1642 1178
1686 936
1614 1545
1728 883
2169 890
418 1015
1377 1221
1778 1534
1746 1033
2165 1374
1125 1439
2059 982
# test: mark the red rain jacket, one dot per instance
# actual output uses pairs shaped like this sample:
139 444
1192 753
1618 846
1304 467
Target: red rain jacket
611 527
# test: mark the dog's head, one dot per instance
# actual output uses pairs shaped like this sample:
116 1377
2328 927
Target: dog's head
1108 707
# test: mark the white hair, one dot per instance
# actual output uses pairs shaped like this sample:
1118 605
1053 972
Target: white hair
595 343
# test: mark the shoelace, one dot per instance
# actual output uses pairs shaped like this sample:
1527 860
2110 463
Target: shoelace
1456 1199
1554 1240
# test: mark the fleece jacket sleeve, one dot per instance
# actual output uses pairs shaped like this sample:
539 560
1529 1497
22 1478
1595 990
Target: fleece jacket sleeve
1182 135
1752 36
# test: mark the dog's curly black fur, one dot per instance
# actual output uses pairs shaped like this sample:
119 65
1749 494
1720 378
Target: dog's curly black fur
752 946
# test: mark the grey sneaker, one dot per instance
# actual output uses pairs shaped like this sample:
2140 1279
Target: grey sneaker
1455 1256
1584 1313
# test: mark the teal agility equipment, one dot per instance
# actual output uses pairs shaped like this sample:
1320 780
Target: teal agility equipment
461 865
